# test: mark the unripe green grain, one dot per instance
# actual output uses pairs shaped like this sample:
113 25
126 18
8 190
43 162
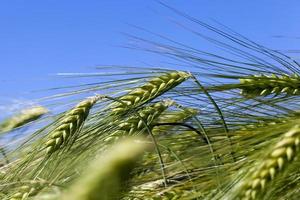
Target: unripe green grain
24 117
152 89
280 156
262 85
71 122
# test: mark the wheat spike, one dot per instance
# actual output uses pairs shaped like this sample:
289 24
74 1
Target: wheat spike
150 90
262 85
27 191
136 123
24 117
147 115
282 154
174 117
71 122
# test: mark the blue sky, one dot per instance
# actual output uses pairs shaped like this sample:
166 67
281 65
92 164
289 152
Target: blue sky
41 38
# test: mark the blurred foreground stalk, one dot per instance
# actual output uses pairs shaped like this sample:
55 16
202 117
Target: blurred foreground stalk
105 177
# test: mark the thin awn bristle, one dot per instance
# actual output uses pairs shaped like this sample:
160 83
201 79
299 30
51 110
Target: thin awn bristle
150 90
262 85
282 154
71 122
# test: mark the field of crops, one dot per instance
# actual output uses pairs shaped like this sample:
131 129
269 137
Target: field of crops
228 128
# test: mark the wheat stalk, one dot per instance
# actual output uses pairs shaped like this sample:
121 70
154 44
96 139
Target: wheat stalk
24 117
262 85
282 154
150 90
71 122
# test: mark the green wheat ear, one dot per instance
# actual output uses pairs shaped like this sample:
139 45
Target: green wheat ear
137 123
174 117
24 117
262 85
26 191
281 155
105 177
152 89
71 122
146 117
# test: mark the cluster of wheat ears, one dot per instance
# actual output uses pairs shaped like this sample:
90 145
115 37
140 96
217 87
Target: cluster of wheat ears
228 128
